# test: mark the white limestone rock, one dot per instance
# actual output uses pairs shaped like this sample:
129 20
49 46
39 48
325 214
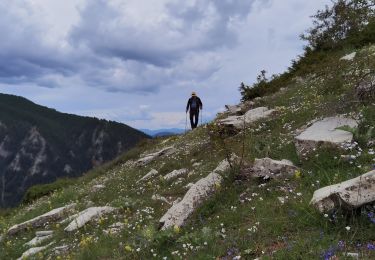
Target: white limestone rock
349 57
51 216
151 174
250 116
349 194
61 249
234 110
178 214
324 132
68 219
36 241
33 251
175 174
86 216
267 168
43 233
98 187
153 156
157 197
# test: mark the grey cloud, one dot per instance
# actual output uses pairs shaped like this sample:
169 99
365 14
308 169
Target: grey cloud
25 56
117 50
190 26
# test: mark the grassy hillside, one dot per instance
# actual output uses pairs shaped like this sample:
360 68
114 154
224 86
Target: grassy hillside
245 217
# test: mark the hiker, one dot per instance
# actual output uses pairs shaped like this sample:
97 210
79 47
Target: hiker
194 104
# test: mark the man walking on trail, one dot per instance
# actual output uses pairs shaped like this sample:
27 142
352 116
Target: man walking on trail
194 104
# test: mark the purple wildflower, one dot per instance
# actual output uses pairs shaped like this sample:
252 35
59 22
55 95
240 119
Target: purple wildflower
329 253
341 244
370 246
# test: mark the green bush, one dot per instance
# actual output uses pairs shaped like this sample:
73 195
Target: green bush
39 191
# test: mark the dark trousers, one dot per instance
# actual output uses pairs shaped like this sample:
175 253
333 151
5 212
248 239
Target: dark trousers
194 118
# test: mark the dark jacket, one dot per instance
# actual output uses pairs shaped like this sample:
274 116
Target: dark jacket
190 101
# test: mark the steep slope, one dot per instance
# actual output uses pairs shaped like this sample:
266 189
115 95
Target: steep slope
250 208
39 145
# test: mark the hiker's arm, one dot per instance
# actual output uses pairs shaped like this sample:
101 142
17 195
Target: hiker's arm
200 104
187 106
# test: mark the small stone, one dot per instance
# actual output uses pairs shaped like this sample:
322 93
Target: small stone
98 187
157 197
43 233
349 57
175 174
281 199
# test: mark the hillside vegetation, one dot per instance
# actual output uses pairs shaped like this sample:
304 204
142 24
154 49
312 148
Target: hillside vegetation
245 218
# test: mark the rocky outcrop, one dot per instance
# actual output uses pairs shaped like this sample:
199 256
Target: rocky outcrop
175 174
267 168
324 131
250 116
348 195
51 216
178 214
87 215
153 156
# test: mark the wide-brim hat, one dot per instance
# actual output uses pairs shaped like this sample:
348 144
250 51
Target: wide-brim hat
193 93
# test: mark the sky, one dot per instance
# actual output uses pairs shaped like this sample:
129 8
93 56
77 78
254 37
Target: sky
137 61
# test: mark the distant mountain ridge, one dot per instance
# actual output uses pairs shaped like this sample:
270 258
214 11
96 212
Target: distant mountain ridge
163 132
39 145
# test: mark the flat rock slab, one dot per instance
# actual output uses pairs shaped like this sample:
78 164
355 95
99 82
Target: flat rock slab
52 216
175 174
348 195
87 215
151 157
151 174
267 168
36 241
349 57
324 132
250 116
178 214
33 251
